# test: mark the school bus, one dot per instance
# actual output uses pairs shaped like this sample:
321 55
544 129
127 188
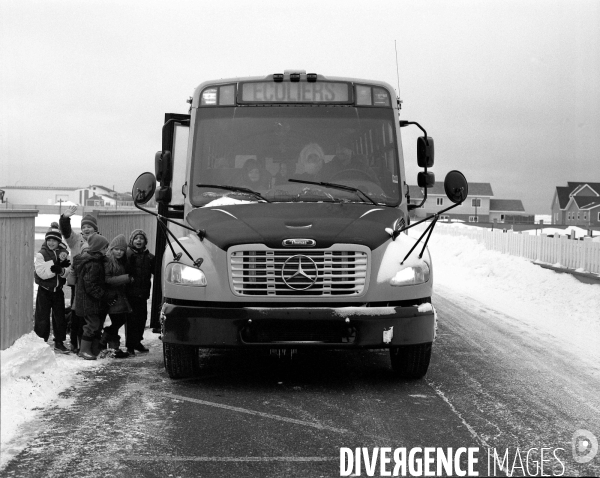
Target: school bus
283 207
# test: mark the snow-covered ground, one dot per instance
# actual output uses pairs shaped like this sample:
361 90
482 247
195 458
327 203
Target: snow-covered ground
555 307
562 311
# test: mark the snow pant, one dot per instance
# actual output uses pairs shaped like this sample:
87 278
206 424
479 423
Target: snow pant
112 331
76 328
93 326
136 321
50 304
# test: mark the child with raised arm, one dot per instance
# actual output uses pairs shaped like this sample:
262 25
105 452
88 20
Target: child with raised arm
77 242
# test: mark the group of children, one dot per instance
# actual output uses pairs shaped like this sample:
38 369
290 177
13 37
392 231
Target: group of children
106 278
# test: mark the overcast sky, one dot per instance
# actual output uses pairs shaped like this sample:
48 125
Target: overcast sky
510 91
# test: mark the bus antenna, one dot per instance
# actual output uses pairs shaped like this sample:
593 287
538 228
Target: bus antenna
397 76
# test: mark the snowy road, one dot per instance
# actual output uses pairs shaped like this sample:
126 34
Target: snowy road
490 385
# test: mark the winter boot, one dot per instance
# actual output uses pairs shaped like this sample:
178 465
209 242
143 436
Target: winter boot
86 349
96 346
115 343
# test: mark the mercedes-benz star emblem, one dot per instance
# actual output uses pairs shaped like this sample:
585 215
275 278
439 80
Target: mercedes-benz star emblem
299 272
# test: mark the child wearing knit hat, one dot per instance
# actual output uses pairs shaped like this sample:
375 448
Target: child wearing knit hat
117 278
51 267
140 264
77 242
90 299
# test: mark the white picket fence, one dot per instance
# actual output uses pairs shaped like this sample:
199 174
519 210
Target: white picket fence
582 255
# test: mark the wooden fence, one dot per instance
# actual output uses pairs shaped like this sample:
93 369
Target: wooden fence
17 234
112 223
582 255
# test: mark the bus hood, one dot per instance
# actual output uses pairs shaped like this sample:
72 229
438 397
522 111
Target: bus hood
270 224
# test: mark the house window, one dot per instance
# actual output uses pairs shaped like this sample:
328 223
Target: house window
473 219
502 216
439 201
585 216
444 218
476 202
599 216
578 216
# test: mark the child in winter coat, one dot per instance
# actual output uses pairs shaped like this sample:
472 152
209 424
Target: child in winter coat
140 265
116 278
90 299
77 242
50 273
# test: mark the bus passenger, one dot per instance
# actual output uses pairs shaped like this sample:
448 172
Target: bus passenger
254 177
311 162
344 160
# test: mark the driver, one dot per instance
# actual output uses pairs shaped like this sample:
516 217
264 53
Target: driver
343 160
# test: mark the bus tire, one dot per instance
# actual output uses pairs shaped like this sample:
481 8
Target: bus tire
411 361
181 361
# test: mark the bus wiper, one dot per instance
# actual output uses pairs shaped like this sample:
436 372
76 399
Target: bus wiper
234 188
333 185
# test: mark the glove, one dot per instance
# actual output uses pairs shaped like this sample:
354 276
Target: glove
66 263
56 269
131 279
112 302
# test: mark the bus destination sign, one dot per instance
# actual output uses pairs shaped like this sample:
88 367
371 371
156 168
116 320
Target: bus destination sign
300 92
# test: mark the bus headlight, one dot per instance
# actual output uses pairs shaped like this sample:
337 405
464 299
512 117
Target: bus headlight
185 275
412 275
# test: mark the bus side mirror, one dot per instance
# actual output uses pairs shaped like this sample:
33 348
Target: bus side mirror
143 188
456 186
163 166
425 152
425 180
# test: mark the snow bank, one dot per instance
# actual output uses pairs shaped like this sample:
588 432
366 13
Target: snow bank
556 308
32 377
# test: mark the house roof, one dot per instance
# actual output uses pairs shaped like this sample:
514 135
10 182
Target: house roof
563 193
95 197
506 205
587 202
475 189
100 186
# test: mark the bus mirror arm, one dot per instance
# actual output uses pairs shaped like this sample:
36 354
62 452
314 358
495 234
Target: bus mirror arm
201 234
427 231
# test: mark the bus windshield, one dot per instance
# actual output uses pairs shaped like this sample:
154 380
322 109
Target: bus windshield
261 148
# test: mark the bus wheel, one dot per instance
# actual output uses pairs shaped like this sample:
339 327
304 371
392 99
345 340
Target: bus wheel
411 361
180 360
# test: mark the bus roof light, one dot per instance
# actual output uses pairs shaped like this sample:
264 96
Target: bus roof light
209 97
295 77
277 77
311 77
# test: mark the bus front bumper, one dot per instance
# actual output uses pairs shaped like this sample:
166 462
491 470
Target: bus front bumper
281 327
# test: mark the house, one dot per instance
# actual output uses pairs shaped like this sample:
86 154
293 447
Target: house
86 193
475 209
509 211
577 204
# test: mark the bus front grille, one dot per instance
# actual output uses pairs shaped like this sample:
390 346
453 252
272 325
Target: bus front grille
334 272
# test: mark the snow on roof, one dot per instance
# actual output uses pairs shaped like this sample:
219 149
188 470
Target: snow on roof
586 202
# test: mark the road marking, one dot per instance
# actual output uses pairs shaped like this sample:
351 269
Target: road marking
253 412
163 458
457 413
